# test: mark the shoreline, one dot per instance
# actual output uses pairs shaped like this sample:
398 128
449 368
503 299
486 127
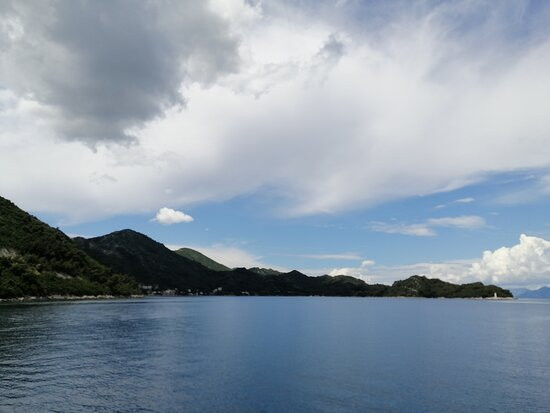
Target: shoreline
51 298
61 298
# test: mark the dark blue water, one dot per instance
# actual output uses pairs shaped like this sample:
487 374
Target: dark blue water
230 354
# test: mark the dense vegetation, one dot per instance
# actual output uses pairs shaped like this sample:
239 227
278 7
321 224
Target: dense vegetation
151 263
38 260
420 286
201 259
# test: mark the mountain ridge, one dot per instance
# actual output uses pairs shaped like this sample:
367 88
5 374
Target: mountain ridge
38 260
123 250
201 259
543 292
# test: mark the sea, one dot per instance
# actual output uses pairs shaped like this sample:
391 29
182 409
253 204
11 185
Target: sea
275 354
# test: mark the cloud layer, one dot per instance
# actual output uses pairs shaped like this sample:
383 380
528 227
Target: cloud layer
101 69
318 111
427 228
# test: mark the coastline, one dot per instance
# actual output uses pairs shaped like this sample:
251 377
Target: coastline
61 298
64 298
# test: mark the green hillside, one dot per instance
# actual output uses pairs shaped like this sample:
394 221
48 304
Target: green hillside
148 262
201 259
420 286
38 260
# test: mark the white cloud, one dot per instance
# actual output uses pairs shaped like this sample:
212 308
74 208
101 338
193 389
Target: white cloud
426 229
456 201
228 255
337 256
326 115
169 216
463 221
362 272
419 230
534 188
526 264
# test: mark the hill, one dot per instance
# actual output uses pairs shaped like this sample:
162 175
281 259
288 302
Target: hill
201 259
151 263
148 262
421 286
38 260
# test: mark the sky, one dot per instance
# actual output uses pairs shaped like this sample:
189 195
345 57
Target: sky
378 139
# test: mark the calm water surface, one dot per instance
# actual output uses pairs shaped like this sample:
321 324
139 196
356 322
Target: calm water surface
251 354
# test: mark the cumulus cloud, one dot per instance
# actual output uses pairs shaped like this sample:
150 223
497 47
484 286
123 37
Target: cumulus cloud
319 111
526 264
169 216
363 272
426 229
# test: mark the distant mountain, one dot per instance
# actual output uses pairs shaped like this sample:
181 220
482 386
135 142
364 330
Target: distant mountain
543 292
201 259
519 291
38 260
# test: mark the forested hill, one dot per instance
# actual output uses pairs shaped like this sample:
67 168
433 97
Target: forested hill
201 259
148 261
38 260
151 263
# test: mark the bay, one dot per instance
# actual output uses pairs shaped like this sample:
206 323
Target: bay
275 354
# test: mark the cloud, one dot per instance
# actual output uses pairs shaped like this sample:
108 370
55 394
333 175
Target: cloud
419 230
526 264
101 68
361 272
227 255
532 189
456 201
406 101
426 229
169 216
338 256
463 221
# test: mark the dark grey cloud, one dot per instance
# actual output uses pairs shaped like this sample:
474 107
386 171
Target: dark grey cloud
106 66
